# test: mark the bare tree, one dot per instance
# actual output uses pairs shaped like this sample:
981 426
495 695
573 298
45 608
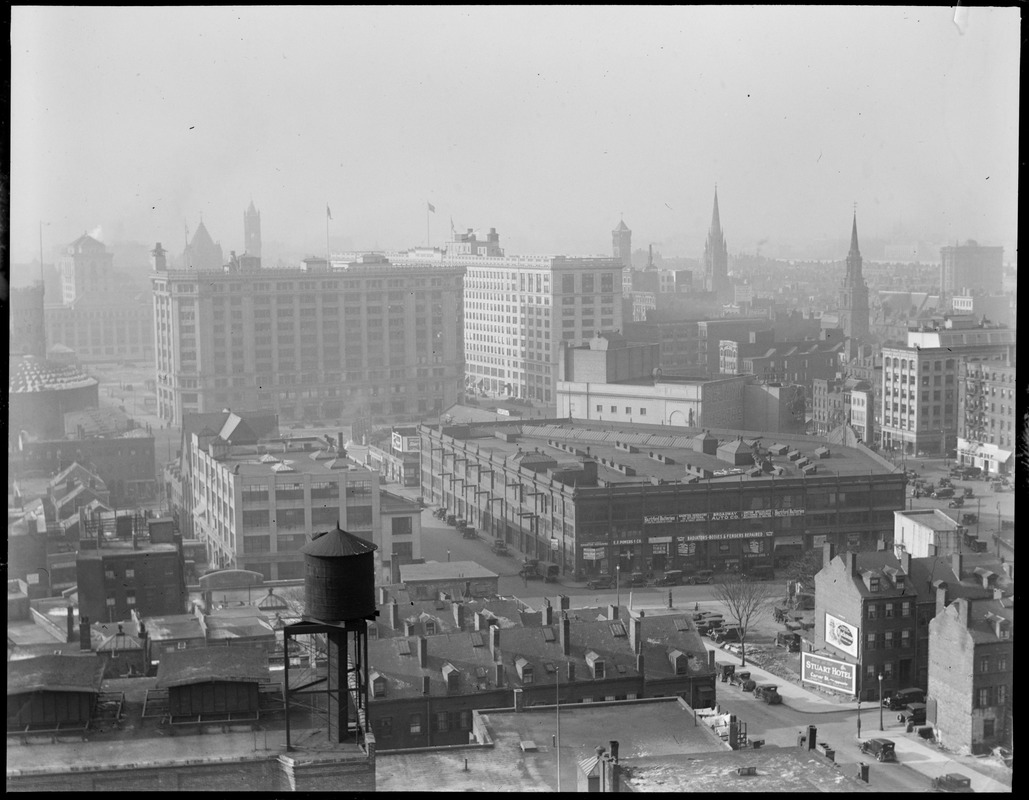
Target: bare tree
746 600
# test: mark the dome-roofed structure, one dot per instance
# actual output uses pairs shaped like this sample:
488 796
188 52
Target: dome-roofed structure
41 392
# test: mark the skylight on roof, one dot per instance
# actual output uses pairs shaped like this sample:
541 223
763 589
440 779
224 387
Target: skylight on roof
404 647
477 640
548 634
681 624
617 629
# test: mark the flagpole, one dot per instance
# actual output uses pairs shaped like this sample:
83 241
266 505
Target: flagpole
428 238
328 256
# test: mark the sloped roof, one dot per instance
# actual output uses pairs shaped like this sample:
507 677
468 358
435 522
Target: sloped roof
80 473
55 673
240 664
236 431
30 374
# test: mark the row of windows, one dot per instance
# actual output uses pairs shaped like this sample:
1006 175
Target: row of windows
885 610
628 410
887 640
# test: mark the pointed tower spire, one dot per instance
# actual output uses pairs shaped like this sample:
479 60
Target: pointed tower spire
853 235
716 224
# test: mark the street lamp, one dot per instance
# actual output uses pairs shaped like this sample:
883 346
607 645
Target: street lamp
881 701
618 590
859 716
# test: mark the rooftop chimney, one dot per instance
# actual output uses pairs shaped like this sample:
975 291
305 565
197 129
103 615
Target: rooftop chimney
71 625
828 553
423 652
458 615
571 671
494 643
711 658
640 667
548 612
614 751
409 627
905 562
426 684
85 641
566 634
635 631
394 615
956 562
480 621
565 602
612 612
941 598
383 595
850 558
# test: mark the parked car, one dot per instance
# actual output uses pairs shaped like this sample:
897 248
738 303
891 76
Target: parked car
672 577
730 633
637 579
499 547
902 698
943 493
913 715
788 639
946 482
451 519
709 624
968 492
551 572
468 532
701 576
769 692
957 502
601 582
725 670
740 678
952 782
969 519
880 749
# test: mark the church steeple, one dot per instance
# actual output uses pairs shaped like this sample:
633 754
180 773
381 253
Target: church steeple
716 257
853 237
854 293
716 224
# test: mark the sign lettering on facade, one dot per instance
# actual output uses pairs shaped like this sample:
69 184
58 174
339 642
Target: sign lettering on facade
828 673
628 541
842 635
660 539
593 553
759 513
712 537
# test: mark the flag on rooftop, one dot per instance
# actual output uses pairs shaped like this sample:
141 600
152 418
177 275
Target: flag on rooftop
432 208
328 211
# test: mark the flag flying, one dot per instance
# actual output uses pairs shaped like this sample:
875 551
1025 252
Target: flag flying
432 208
328 211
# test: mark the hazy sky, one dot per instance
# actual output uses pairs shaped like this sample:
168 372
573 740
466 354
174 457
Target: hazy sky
547 123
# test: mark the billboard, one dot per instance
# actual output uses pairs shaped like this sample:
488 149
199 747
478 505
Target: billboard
842 635
839 676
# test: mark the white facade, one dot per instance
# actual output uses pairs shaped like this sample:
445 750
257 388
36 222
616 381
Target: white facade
926 533
862 413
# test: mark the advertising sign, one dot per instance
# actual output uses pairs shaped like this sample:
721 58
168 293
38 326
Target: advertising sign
592 553
828 673
842 635
700 516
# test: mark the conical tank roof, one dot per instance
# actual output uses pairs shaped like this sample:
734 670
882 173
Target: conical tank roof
337 543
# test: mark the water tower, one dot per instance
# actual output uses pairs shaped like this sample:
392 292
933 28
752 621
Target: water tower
328 681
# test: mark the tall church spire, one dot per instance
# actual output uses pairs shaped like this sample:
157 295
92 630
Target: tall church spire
853 302
716 224
716 257
853 237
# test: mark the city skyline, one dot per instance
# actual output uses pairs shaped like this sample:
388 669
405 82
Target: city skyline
634 114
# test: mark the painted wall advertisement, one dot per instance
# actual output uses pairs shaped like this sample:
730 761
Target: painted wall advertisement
842 635
828 673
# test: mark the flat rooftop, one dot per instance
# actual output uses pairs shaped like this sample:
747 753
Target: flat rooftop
600 442
444 571
643 728
932 518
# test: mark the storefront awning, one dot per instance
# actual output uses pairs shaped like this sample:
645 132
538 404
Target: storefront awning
789 541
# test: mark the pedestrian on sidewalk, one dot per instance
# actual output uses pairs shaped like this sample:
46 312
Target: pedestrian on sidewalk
696 606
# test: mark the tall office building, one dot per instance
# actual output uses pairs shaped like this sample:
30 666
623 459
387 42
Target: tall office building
621 244
252 231
716 257
85 268
971 269
519 311
853 305
367 339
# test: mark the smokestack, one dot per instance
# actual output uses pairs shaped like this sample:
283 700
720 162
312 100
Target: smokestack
566 635
85 640
394 615
612 612
499 670
71 625
956 562
458 609
494 643
828 553
423 652
548 612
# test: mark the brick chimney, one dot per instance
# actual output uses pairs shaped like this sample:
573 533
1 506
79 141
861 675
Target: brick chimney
394 614
519 700
956 563
905 561
498 672
565 602
548 612
70 637
941 598
612 612
494 643
458 609
383 595
85 640
479 621
850 557
711 658
409 627
566 634
571 671
426 684
640 668
964 611
828 553
423 652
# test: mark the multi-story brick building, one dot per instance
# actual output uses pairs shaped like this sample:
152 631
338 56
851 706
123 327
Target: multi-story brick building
971 268
972 673
424 688
838 401
920 384
888 599
519 310
593 496
118 578
370 338
255 503
987 430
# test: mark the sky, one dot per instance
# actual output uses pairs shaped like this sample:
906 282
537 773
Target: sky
549 123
